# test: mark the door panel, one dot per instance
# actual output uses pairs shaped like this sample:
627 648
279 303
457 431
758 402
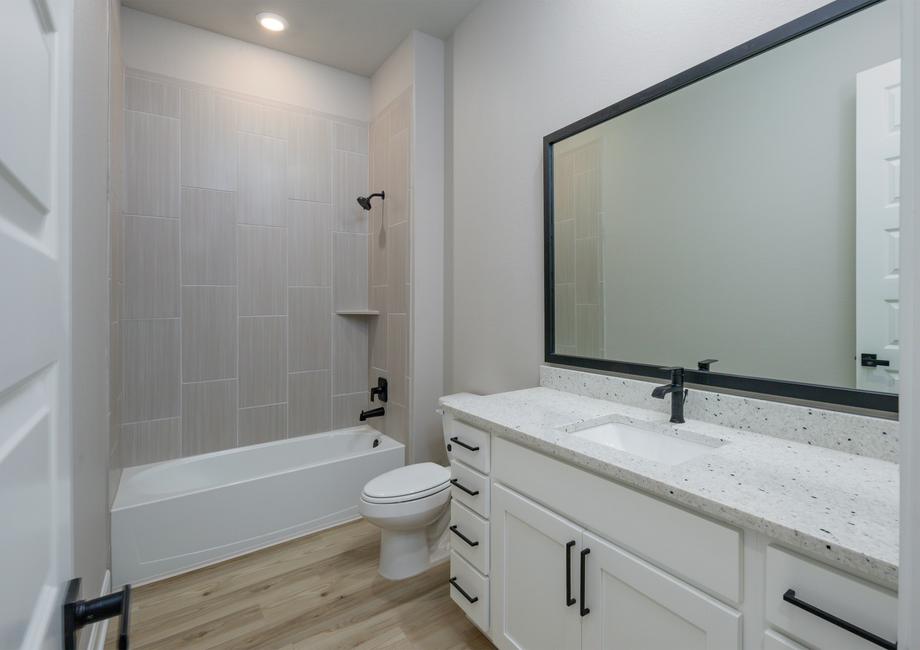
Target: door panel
636 606
529 609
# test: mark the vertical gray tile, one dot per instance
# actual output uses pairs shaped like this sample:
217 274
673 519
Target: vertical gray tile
565 315
377 247
398 268
397 357
377 335
349 271
261 270
208 237
350 181
261 192
401 112
349 354
151 369
209 338
397 208
263 360
310 338
151 96
261 119
309 157
309 243
587 272
379 154
350 137
149 442
309 403
396 425
346 409
151 165
564 251
263 424
208 416
209 145
586 204
151 267
588 330
563 188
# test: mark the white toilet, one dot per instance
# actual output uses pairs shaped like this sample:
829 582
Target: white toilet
411 506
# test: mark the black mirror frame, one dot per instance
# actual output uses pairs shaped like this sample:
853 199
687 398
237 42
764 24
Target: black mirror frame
830 395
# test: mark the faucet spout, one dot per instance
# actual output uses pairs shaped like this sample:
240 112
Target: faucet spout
676 390
373 413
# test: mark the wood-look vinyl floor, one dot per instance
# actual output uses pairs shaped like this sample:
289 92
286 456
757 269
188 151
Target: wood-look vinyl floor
318 592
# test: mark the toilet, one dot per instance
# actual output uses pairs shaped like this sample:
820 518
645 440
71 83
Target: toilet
411 506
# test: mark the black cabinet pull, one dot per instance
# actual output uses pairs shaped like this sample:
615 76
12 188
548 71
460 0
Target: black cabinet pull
581 587
471 599
569 601
463 444
466 539
790 598
456 483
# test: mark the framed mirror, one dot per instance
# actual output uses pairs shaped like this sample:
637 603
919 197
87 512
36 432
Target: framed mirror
745 210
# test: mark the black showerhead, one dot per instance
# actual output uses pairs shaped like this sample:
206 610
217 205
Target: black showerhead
365 201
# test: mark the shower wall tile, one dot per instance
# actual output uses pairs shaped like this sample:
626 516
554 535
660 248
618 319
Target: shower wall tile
209 415
397 209
151 369
261 264
209 142
350 180
397 426
350 137
564 251
208 237
349 354
309 403
309 158
349 270
209 336
398 268
151 267
151 96
379 155
310 338
309 243
263 360
263 168
346 409
401 113
261 120
377 247
565 314
377 334
262 424
587 271
149 442
397 357
151 165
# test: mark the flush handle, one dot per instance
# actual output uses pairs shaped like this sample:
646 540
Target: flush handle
80 613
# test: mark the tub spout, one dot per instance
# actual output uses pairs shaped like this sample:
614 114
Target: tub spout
373 413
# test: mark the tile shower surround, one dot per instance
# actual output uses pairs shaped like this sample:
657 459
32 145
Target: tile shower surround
241 238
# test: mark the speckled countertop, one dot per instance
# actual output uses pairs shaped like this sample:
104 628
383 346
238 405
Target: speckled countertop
838 507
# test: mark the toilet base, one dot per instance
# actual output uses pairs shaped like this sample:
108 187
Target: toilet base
407 553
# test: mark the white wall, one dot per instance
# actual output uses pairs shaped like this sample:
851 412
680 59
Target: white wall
176 50
522 69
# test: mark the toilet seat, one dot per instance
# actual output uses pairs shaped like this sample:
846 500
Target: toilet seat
407 483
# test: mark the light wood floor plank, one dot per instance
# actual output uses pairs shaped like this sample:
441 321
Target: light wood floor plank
320 592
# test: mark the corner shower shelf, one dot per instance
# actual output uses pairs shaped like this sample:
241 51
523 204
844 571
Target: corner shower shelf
357 312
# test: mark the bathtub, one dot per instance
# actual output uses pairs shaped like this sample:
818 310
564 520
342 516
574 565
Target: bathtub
176 515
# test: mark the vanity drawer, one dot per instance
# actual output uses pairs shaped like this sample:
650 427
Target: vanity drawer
470 590
470 488
774 641
469 536
846 597
469 445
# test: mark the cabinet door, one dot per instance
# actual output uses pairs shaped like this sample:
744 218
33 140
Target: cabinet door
532 606
635 606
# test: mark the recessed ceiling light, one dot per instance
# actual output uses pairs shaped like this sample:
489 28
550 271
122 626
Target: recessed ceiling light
272 22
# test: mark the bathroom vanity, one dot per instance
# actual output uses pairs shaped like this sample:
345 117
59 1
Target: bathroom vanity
589 521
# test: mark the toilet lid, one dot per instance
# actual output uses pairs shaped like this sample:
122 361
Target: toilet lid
407 483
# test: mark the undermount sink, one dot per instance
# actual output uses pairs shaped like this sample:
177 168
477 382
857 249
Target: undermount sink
659 447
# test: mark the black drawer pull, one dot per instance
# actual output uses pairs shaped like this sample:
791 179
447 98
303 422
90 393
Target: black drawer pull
466 539
471 599
463 444
456 483
581 588
569 601
790 598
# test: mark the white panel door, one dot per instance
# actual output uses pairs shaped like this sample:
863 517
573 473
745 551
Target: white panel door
531 607
636 606
878 224
35 456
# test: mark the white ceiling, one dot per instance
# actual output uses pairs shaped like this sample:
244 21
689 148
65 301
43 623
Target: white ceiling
354 35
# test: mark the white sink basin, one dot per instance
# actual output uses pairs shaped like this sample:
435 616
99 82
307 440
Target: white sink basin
647 444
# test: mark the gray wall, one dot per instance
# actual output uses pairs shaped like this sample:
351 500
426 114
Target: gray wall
523 69
242 239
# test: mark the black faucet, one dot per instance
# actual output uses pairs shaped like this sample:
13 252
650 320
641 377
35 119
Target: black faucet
373 413
677 392
380 390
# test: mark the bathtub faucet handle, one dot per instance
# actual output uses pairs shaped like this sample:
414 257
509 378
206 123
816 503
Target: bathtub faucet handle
380 390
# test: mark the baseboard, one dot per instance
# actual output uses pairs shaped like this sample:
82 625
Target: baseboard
98 631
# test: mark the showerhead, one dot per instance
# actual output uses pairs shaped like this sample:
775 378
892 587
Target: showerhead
365 201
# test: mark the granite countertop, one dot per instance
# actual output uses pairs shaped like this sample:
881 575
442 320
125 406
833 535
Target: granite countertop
837 507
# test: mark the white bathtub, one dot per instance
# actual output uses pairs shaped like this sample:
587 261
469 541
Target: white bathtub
176 515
